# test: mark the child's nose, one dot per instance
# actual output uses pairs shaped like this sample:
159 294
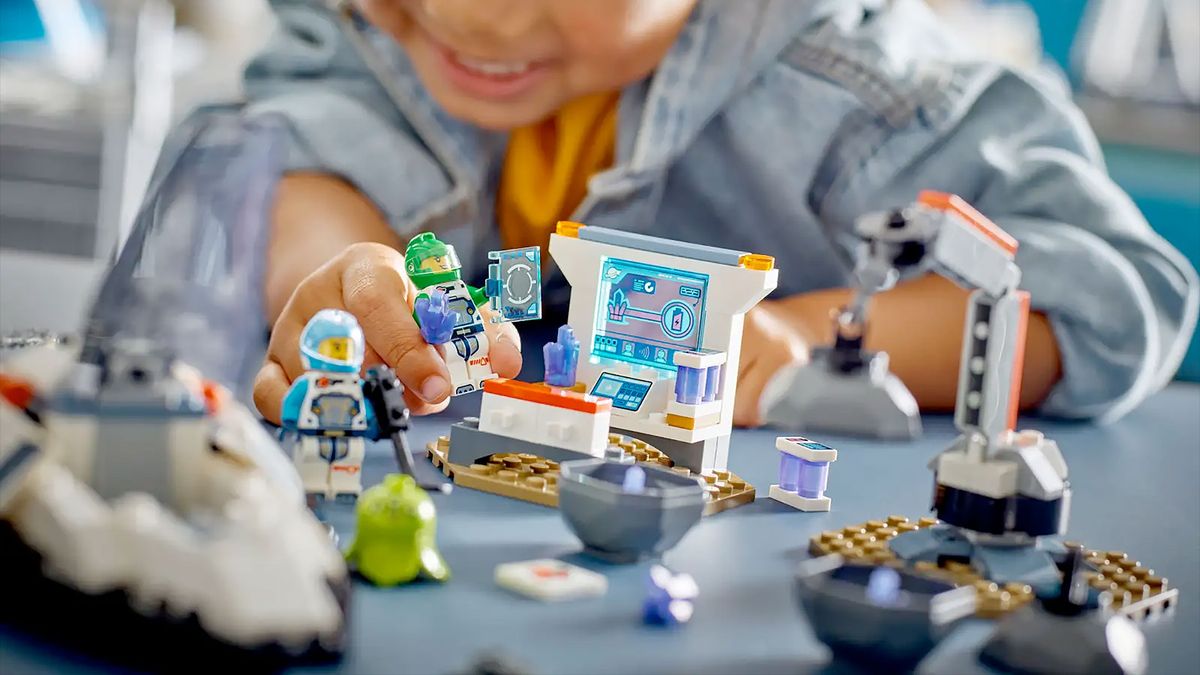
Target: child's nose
487 21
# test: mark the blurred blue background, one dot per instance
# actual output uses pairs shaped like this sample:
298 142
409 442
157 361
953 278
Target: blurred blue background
85 107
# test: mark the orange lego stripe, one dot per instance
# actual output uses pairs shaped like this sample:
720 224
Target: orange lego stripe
1014 392
947 202
540 393
18 392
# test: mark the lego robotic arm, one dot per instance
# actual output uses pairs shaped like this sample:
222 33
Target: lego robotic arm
943 234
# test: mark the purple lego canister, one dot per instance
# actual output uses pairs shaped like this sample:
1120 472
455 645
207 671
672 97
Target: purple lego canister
803 473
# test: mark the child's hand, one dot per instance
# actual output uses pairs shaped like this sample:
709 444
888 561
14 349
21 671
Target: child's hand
368 280
771 341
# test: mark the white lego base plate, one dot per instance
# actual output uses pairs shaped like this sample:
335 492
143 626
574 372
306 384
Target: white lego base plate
797 502
550 580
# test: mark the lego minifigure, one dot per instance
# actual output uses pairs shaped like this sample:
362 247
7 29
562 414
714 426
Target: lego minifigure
394 541
669 597
326 406
447 310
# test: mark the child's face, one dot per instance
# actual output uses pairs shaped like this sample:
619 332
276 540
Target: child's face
507 63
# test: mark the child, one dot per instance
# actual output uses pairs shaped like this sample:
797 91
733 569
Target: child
756 125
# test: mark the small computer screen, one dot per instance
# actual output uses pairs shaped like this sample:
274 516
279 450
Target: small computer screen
646 313
627 393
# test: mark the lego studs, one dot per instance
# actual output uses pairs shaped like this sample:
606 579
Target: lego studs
803 473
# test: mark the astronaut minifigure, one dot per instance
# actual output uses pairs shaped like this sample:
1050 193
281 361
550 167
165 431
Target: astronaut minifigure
326 406
447 310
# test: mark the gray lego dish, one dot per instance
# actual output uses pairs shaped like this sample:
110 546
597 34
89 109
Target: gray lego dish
1033 640
833 594
870 402
622 527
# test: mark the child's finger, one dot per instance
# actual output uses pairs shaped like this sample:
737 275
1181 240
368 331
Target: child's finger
746 409
504 344
270 387
377 293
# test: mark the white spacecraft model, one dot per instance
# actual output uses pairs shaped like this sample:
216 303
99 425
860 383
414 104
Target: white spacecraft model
126 472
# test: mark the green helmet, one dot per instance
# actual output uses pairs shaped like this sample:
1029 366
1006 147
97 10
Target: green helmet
424 246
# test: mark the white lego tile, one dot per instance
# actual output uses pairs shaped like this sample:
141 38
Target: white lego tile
550 580
799 446
699 359
996 479
795 501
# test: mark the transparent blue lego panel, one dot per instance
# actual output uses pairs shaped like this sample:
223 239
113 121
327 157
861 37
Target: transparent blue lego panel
515 284
627 393
646 313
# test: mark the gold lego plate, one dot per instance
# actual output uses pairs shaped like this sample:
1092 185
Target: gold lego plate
1134 591
535 479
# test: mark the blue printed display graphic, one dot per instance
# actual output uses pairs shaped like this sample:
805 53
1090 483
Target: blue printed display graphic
626 393
646 313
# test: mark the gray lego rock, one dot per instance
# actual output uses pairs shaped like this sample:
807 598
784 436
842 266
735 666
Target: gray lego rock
1032 564
621 525
1026 564
892 629
930 544
1034 640
869 402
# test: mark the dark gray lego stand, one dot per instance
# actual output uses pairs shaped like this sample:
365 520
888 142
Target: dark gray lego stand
1135 489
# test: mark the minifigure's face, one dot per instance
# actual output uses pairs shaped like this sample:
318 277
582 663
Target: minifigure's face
337 349
439 263
502 64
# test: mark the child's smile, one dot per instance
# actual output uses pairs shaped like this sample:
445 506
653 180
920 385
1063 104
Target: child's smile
503 64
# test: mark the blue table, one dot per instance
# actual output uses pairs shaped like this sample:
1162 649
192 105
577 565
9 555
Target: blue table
1135 486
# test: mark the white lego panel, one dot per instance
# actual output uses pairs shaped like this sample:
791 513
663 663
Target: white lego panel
1000 332
994 478
64 521
795 501
71 440
701 359
656 425
799 446
971 258
560 427
731 290
550 580
697 410
190 447
509 417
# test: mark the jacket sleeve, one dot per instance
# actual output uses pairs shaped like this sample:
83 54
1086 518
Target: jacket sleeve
1121 301
342 122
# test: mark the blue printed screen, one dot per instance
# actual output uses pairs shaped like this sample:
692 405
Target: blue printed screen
646 313
627 393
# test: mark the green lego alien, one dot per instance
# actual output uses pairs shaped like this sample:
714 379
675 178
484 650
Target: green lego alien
394 542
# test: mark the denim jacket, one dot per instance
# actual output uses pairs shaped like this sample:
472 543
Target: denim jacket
769 127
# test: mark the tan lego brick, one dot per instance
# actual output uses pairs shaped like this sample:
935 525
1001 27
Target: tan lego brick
1135 590
534 479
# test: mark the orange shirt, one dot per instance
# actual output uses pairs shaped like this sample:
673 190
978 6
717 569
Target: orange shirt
547 167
